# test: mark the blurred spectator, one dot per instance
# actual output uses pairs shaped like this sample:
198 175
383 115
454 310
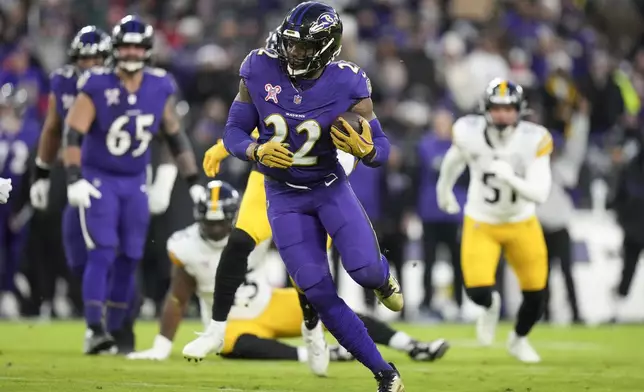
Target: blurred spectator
438 226
555 214
629 205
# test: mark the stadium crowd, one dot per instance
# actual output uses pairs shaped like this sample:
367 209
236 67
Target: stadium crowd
581 63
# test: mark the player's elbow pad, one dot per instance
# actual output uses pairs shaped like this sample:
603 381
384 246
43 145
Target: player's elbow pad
178 142
72 137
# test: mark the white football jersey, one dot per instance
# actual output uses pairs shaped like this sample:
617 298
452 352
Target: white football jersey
489 199
200 258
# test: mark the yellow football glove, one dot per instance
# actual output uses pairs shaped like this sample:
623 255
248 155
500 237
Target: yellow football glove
213 157
274 154
355 144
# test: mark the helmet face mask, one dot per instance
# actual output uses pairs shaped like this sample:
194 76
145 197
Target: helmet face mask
216 214
309 38
503 105
132 41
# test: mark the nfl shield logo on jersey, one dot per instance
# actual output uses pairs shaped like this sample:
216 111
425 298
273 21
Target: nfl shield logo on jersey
272 92
297 99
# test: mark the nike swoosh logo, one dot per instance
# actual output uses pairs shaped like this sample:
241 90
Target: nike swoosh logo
361 149
327 183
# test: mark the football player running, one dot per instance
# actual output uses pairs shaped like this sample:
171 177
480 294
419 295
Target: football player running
252 228
261 314
509 162
293 96
116 114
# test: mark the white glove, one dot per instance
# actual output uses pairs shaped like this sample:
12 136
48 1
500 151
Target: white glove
158 201
79 194
448 203
5 188
198 193
160 350
160 192
501 170
39 194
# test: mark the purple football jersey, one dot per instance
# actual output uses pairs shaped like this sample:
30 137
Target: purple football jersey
119 139
302 118
15 149
63 86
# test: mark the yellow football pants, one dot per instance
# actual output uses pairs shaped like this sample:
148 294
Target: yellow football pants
524 247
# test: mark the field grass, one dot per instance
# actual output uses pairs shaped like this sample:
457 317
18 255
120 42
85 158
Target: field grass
46 357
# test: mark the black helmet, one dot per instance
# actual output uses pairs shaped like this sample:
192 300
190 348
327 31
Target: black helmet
503 92
132 31
216 213
90 41
316 29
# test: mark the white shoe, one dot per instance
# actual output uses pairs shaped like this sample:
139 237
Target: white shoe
318 356
520 348
488 320
212 340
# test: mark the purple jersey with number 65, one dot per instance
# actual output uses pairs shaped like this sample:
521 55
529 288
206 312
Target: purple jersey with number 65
302 118
119 139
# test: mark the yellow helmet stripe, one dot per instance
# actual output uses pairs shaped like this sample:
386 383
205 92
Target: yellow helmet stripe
214 196
503 88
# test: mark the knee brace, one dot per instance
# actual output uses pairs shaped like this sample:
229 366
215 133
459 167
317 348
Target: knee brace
481 296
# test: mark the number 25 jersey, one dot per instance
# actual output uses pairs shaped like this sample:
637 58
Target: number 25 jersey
119 139
489 199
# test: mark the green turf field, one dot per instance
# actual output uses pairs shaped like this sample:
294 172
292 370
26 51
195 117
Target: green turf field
46 357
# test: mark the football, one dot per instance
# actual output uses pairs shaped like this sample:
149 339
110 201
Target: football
352 118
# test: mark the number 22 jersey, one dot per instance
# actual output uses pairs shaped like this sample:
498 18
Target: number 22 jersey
302 117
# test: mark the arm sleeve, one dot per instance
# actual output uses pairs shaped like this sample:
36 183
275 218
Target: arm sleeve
242 120
380 144
451 169
537 182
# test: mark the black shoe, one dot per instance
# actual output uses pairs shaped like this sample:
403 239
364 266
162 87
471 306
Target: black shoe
98 342
428 351
389 380
124 340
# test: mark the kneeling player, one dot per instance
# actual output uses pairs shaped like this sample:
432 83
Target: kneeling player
509 162
261 314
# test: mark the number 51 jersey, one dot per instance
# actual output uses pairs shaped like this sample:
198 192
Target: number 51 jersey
125 123
489 199
302 117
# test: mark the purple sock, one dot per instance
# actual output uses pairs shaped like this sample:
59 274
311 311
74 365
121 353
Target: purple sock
345 325
120 292
95 284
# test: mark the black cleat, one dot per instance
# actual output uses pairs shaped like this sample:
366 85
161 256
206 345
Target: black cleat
124 340
428 351
389 380
97 343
